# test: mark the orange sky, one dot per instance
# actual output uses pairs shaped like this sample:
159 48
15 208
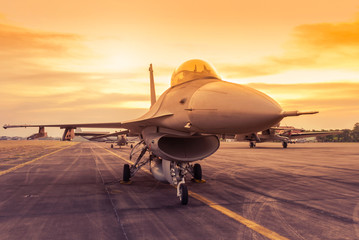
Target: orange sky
87 61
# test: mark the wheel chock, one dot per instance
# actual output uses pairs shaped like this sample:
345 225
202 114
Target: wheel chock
198 180
125 182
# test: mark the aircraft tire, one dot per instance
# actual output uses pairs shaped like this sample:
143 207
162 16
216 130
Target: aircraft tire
184 194
126 173
111 145
197 171
285 144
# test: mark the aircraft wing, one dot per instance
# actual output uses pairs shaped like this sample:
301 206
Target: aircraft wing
287 129
108 135
76 125
137 122
90 134
313 134
135 125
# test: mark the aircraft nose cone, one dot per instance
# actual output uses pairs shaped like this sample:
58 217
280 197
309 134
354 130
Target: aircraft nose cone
223 107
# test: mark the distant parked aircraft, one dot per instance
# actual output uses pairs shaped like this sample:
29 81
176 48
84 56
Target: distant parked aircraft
283 134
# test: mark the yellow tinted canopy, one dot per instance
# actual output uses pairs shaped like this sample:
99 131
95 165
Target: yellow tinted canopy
192 70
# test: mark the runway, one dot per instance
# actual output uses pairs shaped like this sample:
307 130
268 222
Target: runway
59 190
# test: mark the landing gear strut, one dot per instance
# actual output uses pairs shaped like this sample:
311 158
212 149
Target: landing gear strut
179 171
130 171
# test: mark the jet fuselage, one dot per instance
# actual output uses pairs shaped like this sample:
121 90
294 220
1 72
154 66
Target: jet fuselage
213 106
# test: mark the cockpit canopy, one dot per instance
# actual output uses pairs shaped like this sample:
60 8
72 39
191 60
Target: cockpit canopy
192 70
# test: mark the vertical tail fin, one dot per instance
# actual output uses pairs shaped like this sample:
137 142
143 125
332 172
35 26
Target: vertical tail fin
152 85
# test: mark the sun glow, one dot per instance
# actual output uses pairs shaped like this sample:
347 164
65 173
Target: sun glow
135 104
303 76
89 68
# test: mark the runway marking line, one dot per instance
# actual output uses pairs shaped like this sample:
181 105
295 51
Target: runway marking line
34 160
248 223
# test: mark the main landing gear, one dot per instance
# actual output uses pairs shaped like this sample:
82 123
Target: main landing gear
126 173
252 144
197 172
173 172
130 171
284 144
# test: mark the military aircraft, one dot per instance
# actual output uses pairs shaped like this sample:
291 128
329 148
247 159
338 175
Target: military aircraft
40 134
118 138
282 134
91 135
180 127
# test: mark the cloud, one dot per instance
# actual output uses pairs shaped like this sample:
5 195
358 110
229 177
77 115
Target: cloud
27 56
38 91
78 106
328 97
333 89
324 36
322 45
337 103
22 42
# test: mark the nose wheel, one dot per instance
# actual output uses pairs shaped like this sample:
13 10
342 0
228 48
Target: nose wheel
182 192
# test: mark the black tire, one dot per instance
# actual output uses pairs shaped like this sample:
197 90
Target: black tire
285 144
111 145
126 173
197 171
252 145
184 194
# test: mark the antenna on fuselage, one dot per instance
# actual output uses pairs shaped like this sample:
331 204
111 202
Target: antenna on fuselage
152 85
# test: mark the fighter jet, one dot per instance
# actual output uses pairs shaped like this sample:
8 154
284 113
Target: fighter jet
40 134
180 127
91 135
119 138
282 134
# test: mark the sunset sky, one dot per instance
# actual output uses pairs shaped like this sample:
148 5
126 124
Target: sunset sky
87 61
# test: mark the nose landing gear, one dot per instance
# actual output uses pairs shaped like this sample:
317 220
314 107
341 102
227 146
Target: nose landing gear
182 192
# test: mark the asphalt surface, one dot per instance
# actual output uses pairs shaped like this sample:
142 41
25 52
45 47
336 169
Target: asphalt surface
307 191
